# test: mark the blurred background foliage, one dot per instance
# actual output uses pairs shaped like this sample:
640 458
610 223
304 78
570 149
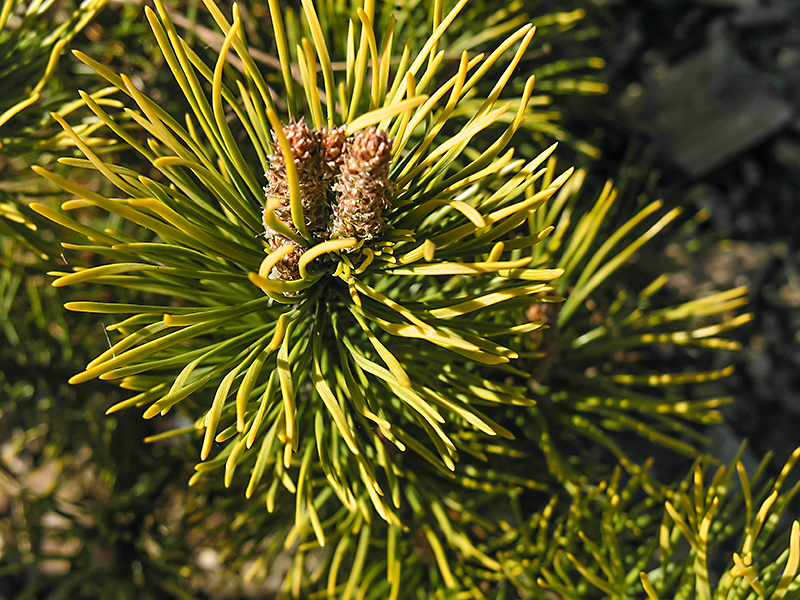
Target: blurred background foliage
89 511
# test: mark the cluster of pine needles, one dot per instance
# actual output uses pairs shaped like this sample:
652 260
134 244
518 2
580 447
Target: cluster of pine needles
348 273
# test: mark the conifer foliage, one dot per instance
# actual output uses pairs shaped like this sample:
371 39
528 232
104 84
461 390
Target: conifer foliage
384 330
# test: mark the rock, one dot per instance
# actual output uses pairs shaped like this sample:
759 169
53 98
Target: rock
709 108
756 15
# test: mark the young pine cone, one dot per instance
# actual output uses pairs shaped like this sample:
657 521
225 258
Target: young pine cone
356 169
363 186
334 142
312 175
288 267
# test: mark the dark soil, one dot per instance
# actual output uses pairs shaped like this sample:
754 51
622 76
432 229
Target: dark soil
714 87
